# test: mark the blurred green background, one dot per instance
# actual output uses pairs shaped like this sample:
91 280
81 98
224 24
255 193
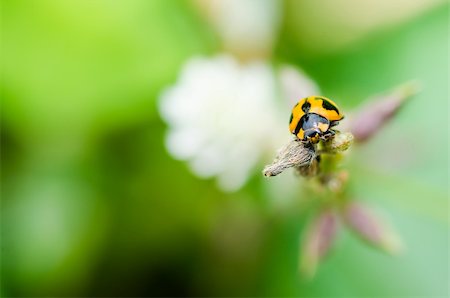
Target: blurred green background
93 205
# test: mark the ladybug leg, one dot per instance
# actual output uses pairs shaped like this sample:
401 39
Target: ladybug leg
334 123
312 135
305 141
328 134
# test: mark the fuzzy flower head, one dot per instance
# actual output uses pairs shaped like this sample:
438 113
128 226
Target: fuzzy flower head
223 117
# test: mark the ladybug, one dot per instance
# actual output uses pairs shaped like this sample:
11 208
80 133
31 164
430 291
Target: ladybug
313 117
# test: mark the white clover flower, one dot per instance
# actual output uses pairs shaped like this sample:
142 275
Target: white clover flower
224 116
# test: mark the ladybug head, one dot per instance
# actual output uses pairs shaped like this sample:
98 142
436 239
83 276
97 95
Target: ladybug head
313 135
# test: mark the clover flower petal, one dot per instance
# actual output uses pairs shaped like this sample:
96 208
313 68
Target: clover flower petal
223 116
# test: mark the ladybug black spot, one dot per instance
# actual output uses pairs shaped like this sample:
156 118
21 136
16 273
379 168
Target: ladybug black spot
300 123
328 106
306 106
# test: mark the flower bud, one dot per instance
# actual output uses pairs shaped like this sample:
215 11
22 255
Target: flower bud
371 228
376 112
294 154
335 182
339 143
309 170
318 239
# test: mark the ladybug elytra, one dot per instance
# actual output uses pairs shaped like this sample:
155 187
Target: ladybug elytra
313 117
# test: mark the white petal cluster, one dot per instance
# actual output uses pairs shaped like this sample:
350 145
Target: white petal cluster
223 116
